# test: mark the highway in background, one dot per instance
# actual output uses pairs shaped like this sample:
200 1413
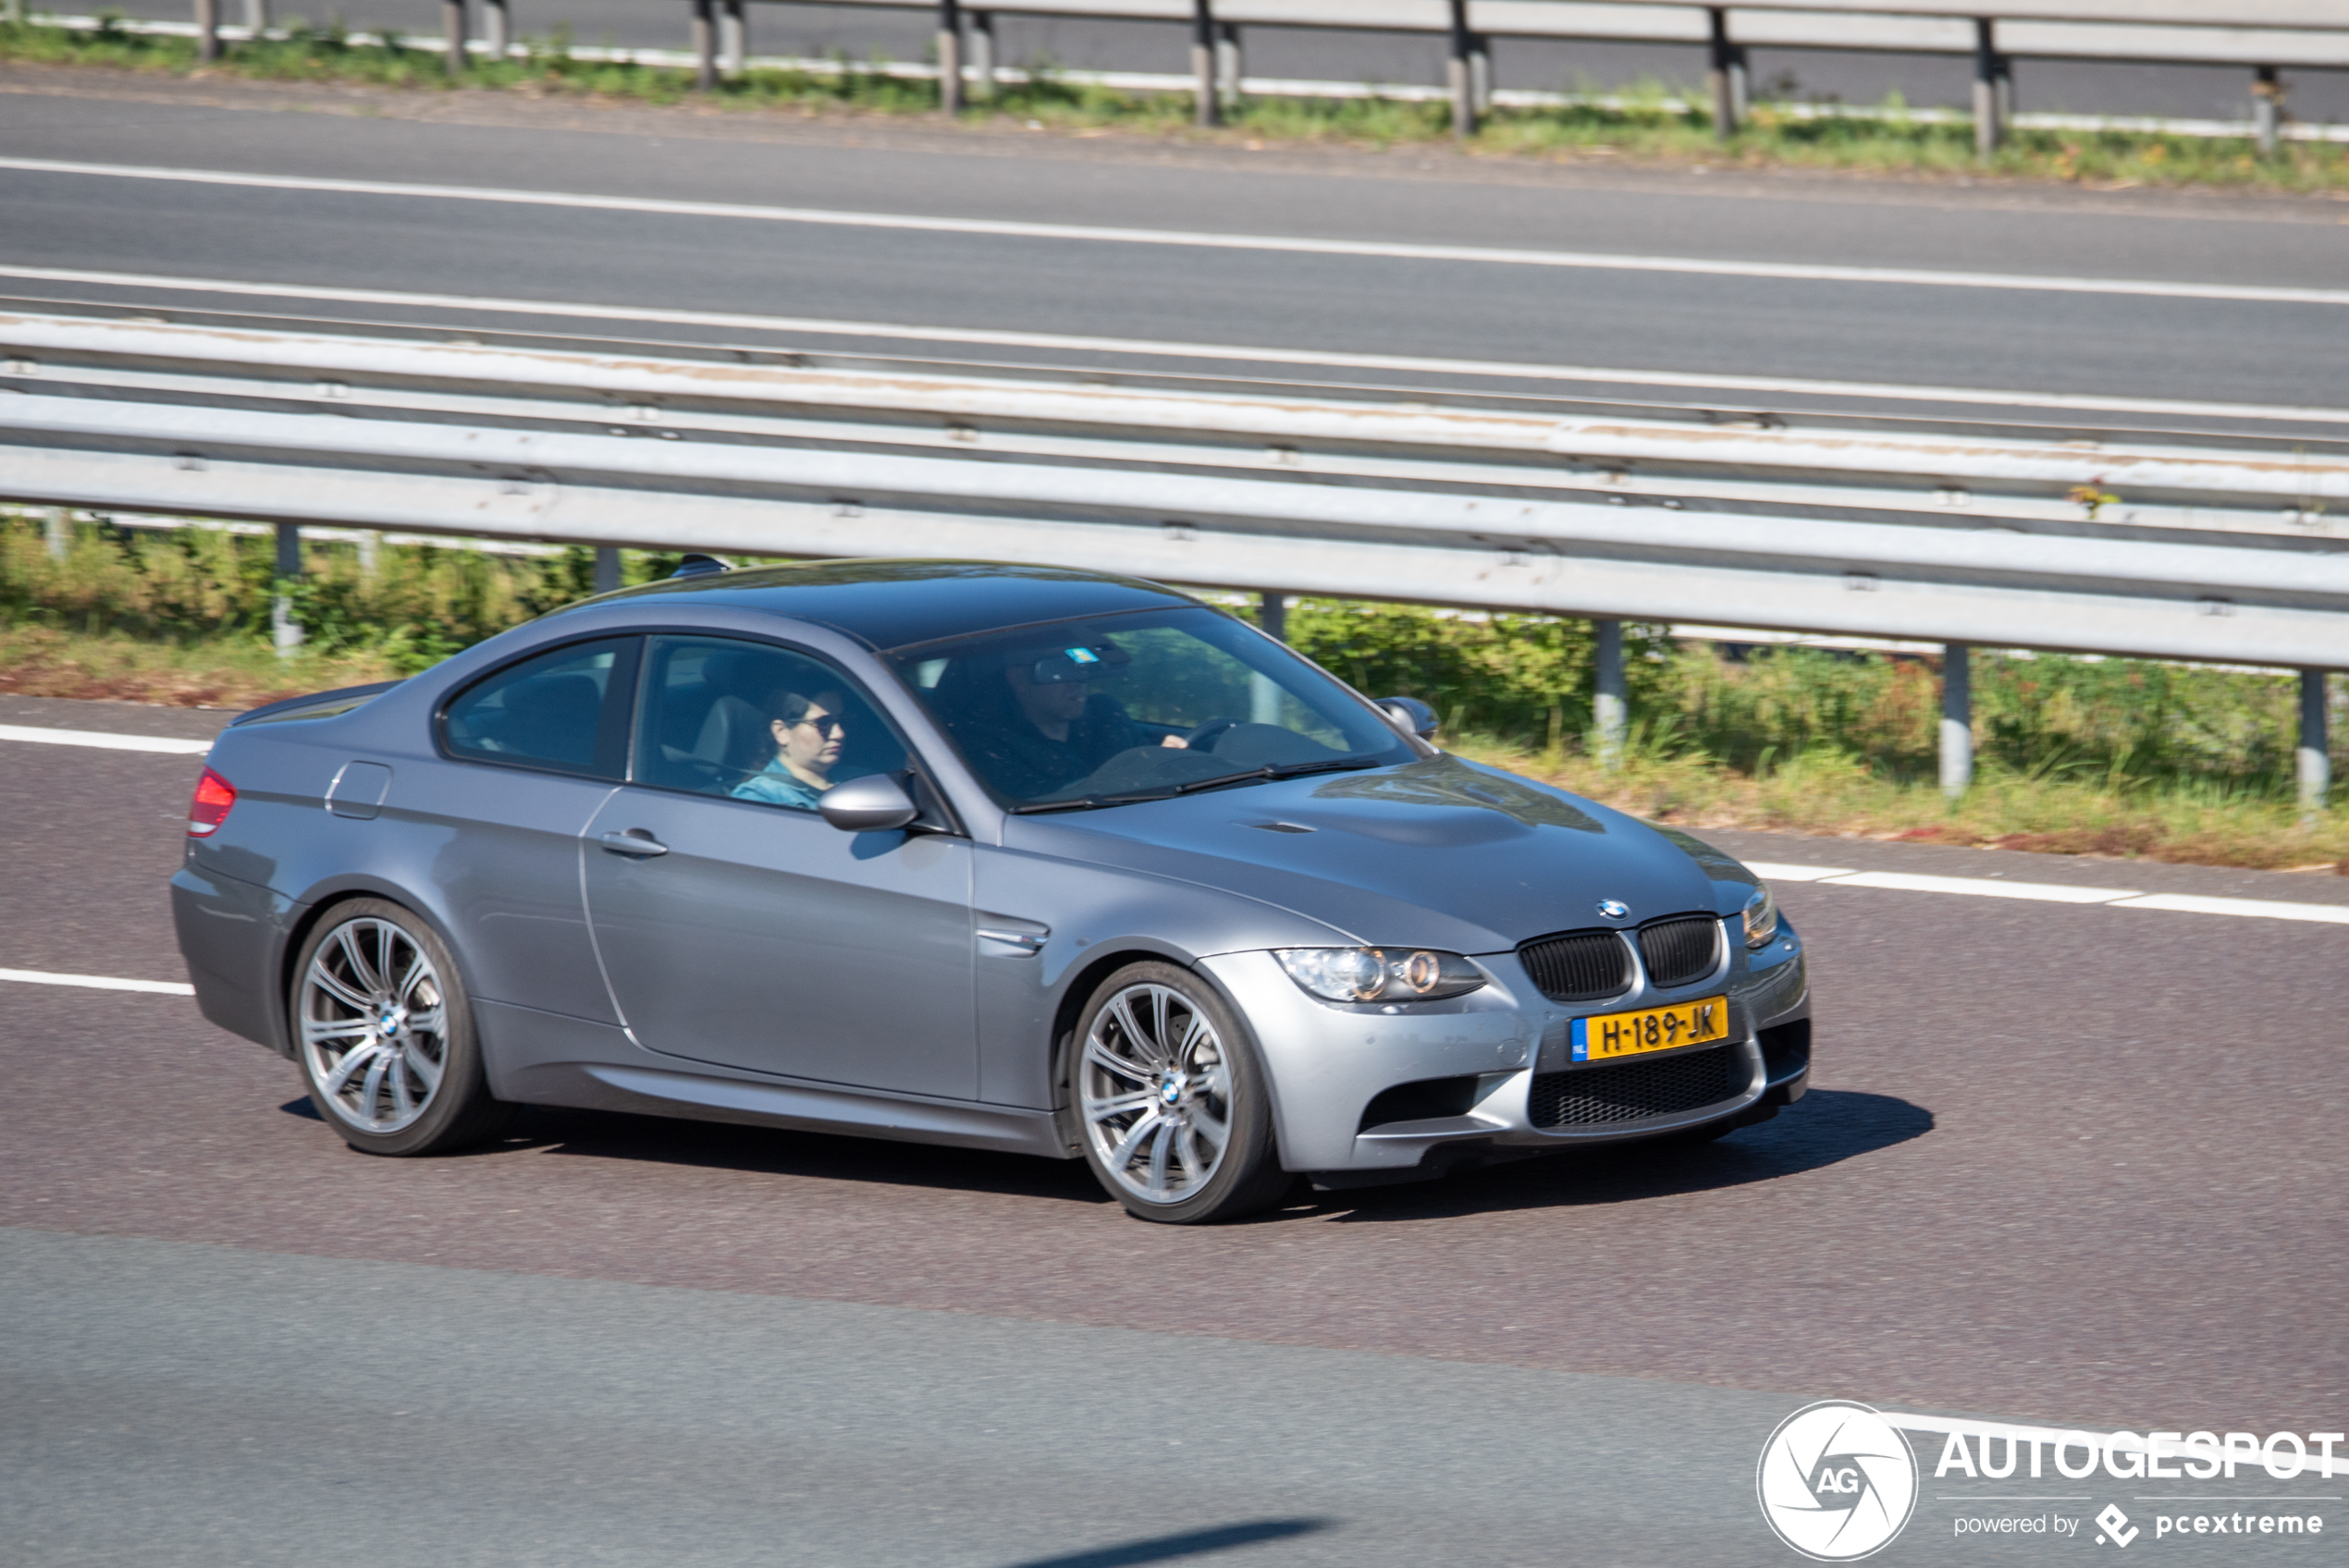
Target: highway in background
1312 54
1803 323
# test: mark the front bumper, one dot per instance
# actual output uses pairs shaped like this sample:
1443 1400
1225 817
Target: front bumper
1354 1086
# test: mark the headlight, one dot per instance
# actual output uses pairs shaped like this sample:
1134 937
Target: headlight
1374 975
1761 916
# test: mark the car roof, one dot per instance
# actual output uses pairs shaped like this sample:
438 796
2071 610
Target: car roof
896 603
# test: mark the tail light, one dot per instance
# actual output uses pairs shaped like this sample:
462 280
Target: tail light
215 795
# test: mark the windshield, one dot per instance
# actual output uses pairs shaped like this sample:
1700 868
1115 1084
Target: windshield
1108 709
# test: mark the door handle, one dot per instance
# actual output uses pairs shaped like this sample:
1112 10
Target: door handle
637 842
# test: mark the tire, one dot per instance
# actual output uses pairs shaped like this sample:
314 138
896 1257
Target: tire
1179 1134
384 1035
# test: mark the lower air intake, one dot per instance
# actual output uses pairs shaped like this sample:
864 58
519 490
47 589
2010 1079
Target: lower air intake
1632 1091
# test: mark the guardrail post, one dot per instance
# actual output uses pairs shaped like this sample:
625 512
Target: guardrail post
1228 66
496 28
1479 74
1957 720
1204 60
1459 75
57 529
1723 65
452 27
2267 110
1989 129
982 53
1263 692
1610 703
256 17
950 58
1272 615
705 32
285 632
370 552
733 39
207 29
606 568
2313 758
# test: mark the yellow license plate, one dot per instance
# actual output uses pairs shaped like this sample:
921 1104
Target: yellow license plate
1651 1029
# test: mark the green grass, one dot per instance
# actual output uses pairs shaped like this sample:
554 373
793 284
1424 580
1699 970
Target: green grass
1644 128
2115 756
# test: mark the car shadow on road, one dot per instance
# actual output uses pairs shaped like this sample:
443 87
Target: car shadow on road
1827 1127
773 1151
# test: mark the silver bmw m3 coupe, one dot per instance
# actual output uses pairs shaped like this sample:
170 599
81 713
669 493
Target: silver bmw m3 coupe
1007 857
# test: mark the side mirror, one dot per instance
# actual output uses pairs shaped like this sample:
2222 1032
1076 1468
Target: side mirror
1410 716
875 804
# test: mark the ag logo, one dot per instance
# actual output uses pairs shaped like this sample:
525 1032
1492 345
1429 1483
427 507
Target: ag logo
1837 1481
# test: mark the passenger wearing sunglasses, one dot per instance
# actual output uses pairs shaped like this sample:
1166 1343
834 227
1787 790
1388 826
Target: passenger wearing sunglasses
809 734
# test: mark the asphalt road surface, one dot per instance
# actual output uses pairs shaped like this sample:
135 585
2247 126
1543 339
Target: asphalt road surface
2161 340
2062 1165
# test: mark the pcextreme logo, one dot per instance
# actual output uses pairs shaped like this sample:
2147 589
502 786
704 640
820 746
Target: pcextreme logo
1837 1481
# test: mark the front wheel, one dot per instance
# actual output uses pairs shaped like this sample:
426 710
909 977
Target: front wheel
1177 1116
384 1035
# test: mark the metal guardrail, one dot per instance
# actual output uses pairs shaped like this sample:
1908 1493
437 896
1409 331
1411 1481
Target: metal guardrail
2225 548
2264 34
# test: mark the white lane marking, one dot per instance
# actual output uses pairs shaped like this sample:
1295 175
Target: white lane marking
103 739
99 981
2051 892
1803 272
1984 886
1409 364
1771 871
2270 909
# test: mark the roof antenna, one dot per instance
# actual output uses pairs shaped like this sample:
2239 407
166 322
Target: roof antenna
698 566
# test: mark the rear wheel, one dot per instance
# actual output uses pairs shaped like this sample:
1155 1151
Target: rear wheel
384 1035
1176 1114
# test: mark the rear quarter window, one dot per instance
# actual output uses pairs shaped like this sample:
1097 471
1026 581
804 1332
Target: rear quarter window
565 710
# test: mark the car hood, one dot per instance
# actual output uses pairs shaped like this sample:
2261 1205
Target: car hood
1438 853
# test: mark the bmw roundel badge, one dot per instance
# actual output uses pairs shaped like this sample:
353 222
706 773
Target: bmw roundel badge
1615 909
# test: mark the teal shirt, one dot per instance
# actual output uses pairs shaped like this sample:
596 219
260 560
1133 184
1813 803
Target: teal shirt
779 786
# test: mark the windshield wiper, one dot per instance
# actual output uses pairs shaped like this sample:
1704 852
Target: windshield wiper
1223 781
1283 770
1089 803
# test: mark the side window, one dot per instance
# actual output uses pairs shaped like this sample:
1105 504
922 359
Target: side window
755 722
565 710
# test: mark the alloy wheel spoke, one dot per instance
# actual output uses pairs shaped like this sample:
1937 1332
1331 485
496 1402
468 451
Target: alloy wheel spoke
356 1058
1118 1104
1199 1033
326 981
386 946
422 1068
1123 1154
319 1030
371 1090
1159 1147
1099 1055
1211 1131
402 1105
368 980
418 972
1138 1040
426 1022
